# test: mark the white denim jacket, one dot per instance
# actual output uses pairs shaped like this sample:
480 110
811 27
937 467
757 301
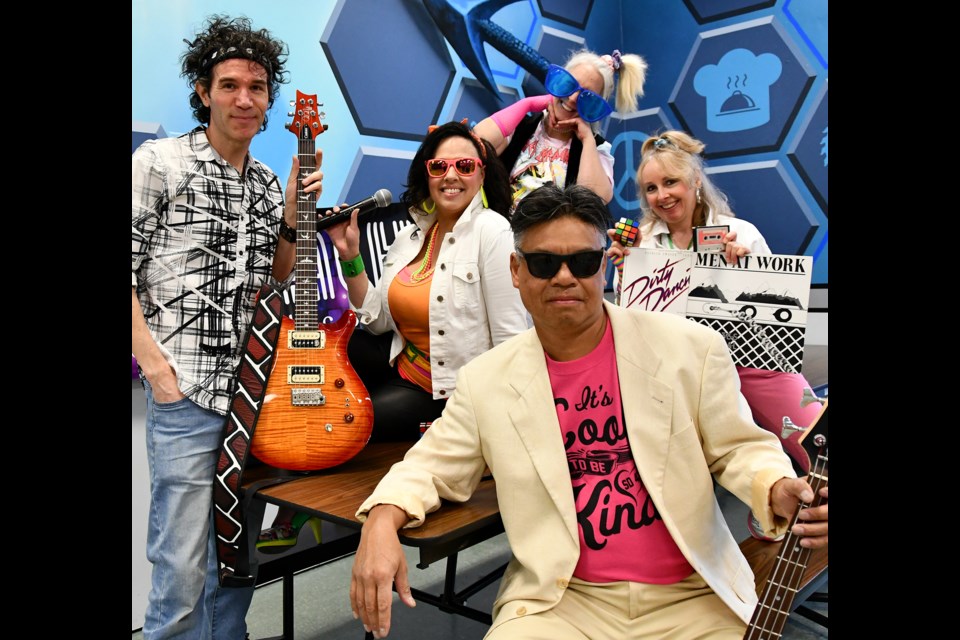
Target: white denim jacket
473 303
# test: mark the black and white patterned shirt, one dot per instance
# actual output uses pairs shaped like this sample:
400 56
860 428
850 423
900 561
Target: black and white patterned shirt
204 237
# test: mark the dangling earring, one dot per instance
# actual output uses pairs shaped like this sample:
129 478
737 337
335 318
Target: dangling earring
428 209
699 199
483 198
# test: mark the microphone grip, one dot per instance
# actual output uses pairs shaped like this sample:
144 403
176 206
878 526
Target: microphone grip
324 222
381 198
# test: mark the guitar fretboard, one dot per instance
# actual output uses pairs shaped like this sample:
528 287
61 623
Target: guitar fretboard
305 317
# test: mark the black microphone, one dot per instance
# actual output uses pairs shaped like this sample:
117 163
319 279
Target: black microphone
381 198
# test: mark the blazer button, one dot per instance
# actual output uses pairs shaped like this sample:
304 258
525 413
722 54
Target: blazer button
440 363
439 298
443 267
440 331
453 240
443 392
562 583
469 276
521 611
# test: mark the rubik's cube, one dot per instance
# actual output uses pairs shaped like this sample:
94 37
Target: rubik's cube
627 231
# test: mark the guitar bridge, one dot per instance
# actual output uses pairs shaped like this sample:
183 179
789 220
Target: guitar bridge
305 374
298 339
307 398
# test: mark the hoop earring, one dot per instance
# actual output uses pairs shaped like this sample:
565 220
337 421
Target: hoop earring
431 208
483 198
699 199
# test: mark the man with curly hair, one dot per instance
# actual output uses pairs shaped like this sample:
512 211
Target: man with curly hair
210 225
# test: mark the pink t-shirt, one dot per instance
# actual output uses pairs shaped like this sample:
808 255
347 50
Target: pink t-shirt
622 536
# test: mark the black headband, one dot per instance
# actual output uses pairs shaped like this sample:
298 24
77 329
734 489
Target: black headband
219 55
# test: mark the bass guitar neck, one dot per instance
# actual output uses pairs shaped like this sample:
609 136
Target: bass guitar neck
787 573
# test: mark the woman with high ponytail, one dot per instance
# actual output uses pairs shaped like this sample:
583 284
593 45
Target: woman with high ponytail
559 140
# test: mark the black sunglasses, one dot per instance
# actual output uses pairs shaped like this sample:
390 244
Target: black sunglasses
582 264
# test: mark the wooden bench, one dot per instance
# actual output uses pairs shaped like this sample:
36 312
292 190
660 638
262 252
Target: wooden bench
334 495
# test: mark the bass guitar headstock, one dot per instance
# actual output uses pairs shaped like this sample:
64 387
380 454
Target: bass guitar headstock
814 438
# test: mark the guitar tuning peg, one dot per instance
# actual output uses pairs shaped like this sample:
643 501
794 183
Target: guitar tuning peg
789 428
809 397
290 114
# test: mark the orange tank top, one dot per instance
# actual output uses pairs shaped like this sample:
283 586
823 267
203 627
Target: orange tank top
410 307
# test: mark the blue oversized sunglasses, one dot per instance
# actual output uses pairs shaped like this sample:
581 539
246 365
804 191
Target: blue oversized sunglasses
591 106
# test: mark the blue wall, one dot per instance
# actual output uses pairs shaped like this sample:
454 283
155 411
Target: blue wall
747 78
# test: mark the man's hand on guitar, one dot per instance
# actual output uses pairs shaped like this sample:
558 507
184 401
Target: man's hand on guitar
786 494
814 525
312 183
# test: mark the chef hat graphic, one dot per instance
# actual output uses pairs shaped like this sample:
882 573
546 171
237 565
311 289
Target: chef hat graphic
737 89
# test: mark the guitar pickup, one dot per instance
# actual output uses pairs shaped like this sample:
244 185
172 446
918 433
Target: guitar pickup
307 398
305 374
298 339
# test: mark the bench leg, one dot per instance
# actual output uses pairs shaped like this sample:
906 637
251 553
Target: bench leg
450 601
288 606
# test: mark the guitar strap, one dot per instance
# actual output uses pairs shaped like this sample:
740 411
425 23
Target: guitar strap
232 539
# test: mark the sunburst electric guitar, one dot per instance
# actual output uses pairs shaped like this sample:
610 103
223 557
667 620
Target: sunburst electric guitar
316 411
786 575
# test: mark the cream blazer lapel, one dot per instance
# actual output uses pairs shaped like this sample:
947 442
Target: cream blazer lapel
534 416
647 402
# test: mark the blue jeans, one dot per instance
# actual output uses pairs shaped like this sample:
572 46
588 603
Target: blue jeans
186 601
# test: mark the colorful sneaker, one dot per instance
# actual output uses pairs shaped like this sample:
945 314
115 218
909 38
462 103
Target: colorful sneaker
282 537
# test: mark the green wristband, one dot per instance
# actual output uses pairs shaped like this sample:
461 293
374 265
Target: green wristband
352 267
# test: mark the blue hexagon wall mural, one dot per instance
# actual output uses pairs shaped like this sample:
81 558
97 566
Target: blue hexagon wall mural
712 10
809 150
741 89
749 78
810 19
388 94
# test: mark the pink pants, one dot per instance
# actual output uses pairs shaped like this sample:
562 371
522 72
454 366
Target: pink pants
773 395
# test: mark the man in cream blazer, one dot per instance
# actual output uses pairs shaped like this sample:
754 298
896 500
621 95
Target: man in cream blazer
685 423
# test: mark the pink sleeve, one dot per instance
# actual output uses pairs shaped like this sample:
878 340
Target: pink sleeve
508 119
